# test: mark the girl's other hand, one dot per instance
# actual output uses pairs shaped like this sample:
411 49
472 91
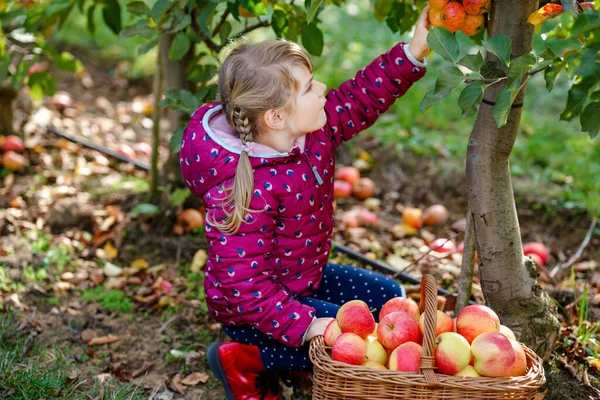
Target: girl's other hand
419 47
317 328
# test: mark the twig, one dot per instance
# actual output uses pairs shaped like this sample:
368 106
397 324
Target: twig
575 257
424 255
221 23
503 78
248 29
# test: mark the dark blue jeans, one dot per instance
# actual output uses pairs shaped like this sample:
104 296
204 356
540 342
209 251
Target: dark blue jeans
341 283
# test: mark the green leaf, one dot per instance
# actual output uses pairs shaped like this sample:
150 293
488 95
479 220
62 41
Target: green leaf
185 21
112 15
225 31
448 79
181 44
590 119
91 25
66 61
138 8
19 75
40 84
472 61
501 109
548 54
179 196
189 101
402 16
145 209
149 45
202 73
518 68
443 43
470 98
382 8
312 39
4 63
432 98
578 95
205 16
159 7
312 7
499 45
551 73
175 142
139 28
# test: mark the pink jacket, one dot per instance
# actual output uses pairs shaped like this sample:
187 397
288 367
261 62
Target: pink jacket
255 276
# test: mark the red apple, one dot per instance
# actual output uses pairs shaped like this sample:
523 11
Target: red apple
332 331
476 319
397 328
519 368
435 215
349 348
13 161
126 151
443 323
536 259
494 354
452 353
442 245
13 143
587 5
341 189
373 364
406 357
375 350
537 248
413 217
348 174
468 371
364 188
350 220
405 304
143 149
355 316
367 218
506 331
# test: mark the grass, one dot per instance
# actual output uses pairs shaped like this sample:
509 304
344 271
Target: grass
111 300
28 372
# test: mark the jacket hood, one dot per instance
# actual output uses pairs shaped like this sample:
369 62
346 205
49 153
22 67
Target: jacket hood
210 150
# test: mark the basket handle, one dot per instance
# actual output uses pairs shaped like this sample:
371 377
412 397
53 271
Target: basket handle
428 305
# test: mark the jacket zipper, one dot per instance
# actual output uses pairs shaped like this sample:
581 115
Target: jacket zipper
314 170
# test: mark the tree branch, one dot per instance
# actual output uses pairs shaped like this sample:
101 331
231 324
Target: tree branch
570 6
221 23
248 29
575 257
503 78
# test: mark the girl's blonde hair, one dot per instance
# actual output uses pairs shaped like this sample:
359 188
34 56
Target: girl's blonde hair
255 78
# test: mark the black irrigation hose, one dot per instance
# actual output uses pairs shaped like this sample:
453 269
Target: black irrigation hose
97 147
385 267
338 247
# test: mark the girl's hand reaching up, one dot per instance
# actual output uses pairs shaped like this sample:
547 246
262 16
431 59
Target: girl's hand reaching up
419 47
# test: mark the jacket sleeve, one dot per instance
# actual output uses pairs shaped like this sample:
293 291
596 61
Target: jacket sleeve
249 285
358 102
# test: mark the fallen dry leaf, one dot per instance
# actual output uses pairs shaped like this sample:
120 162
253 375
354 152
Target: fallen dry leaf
104 340
139 263
176 385
195 378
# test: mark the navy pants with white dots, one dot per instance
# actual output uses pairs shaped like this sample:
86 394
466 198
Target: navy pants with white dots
340 284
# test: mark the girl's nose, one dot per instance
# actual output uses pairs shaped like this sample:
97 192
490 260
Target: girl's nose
323 87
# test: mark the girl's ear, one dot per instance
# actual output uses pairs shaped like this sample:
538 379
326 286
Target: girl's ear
274 119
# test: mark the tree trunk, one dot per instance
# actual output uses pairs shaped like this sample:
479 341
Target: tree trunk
509 283
175 77
7 100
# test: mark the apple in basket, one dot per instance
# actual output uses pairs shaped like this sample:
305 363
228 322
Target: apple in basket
332 331
476 319
397 328
405 304
375 350
452 353
350 348
519 368
468 371
406 357
355 316
494 354
373 364
443 323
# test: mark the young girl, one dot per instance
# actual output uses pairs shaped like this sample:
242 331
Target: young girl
262 162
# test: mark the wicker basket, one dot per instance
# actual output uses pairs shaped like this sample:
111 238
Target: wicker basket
337 380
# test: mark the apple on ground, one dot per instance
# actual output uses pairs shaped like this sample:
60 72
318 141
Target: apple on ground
13 161
406 357
443 323
506 331
538 249
468 371
355 316
367 218
405 304
452 353
364 188
348 174
375 350
332 331
397 328
13 143
494 355
476 319
442 245
413 217
373 364
349 348
341 189
435 214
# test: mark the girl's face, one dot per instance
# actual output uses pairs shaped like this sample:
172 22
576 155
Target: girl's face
309 114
